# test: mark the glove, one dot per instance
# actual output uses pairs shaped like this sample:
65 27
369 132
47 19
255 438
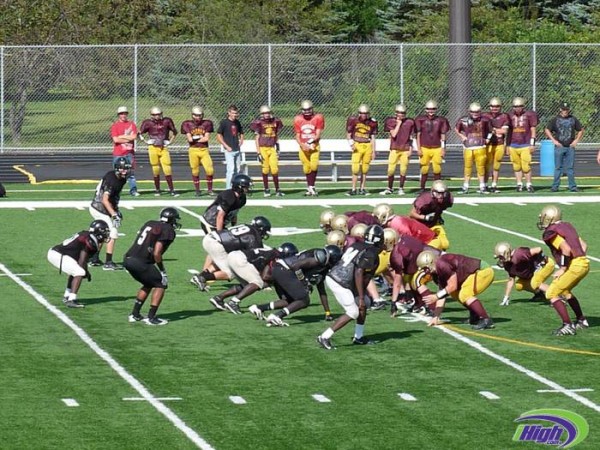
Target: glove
164 280
116 220
166 142
259 158
196 137
150 141
505 301
429 217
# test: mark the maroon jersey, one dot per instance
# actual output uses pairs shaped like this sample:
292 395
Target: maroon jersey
522 263
148 236
356 217
197 128
73 246
425 204
450 263
267 130
351 240
497 121
361 130
404 255
476 130
520 128
158 130
431 129
569 234
403 139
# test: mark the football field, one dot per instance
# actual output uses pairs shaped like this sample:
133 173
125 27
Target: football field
86 378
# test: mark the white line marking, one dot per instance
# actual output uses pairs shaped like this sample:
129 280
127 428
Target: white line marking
71 402
321 398
190 212
141 399
571 390
489 395
81 208
196 272
17 275
237 400
407 397
130 379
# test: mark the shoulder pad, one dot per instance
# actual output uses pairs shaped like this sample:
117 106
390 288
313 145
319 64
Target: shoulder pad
321 256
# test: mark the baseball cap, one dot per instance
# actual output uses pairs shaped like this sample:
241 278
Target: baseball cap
122 109
564 106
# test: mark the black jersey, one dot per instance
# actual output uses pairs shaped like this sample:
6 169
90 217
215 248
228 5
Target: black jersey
261 257
358 255
84 240
112 185
151 232
228 202
315 270
240 237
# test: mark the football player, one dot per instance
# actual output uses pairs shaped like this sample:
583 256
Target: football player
461 277
348 281
308 127
197 131
325 220
218 244
402 134
475 132
428 208
364 217
527 268
431 141
72 255
105 206
161 133
495 149
145 263
569 252
360 132
224 209
267 128
521 141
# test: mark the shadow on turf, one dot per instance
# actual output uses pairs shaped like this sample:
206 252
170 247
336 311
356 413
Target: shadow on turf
182 315
98 300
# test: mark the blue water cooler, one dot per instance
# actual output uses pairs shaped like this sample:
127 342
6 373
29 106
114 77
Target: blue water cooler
547 158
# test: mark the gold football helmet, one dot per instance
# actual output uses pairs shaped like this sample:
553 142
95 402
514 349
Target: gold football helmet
426 260
474 107
363 109
502 252
431 104
383 212
336 237
340 222
550 214
358 230
390 238
438 186
197 111
495 101
325 220
518 102
400 108
155 110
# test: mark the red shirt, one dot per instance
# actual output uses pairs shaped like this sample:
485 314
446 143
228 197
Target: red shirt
307 128
431 130
403 139
118 129
407 226
267 130
361 130
197 129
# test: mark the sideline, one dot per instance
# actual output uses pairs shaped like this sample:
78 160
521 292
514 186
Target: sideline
120 370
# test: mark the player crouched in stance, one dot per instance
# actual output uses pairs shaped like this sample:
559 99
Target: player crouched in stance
428 208
348 281
293 278
460 277
527 268
144 262
569 252
72 255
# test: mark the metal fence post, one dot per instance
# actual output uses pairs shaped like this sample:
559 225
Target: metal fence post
135 83
533 76
269 77
402 73
2 99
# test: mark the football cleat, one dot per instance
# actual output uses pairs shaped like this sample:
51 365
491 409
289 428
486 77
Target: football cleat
173 193
133 318
111 265
386 192
580 324
233 307
484 324
400 191
519 188
275 321
257 312
267 193
325 343
95 262
362 341
217 302
155 321
200 282
378 305
363 192
279 194
73 304
565 330
351 193
530 188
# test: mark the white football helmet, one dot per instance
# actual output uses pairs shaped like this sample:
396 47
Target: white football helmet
340 222
390 238
550 214
336 237
383 213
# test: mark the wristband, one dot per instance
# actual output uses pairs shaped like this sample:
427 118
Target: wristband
489 136
563 261
443 144
442 294
532 142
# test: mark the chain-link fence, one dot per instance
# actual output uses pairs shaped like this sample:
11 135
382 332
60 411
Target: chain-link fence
65 98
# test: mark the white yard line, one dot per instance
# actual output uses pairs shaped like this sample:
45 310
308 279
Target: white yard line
120 370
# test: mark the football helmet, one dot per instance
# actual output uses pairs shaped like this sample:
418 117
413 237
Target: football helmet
242 184
550 214
287 249
431 104
383 212
264 226
358 230
400 108
439 189
340 222
334 254
495 101
474 107
363 109
197 111
374 235
100 230
122 166
171 216
502 252
426 260
337 238
155 110
265 109
325 220
390 238
518 102
306 104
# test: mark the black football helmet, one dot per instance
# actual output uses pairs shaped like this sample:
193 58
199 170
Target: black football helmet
122 166
335 254
242 184
101 230
170 216
263 225
374 235
287 249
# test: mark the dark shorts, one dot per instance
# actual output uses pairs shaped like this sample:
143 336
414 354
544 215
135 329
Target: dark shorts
144 272
288 286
